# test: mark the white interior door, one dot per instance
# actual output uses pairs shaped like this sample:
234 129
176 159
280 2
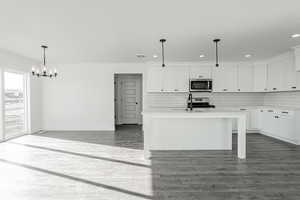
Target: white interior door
129 99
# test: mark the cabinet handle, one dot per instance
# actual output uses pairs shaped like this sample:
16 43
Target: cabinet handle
243 109
261 111
239 89
224 89
274 88
285 112
200 76
294 87
176 90
162 90
266 89
276 117
270 110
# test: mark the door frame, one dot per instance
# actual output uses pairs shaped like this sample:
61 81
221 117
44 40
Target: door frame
26 82
117 102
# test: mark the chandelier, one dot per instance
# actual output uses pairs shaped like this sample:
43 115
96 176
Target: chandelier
42 70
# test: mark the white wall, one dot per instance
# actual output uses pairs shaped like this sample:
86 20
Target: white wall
82 96
12 61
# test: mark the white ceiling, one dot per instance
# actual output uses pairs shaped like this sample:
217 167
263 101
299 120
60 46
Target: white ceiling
116 30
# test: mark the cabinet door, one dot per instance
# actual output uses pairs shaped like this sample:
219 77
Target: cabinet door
225 78
231 78
287 127
219 83
155 79
245 78
169 80
260 78
275 81
254 120
288 73
200 72
175 79
182 79
297 59
269 123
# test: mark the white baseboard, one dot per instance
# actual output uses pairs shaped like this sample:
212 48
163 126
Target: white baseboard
280 138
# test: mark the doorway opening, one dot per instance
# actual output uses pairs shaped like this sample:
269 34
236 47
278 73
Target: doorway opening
15 104
128 98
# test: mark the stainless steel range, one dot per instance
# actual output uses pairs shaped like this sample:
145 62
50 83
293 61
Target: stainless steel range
198 102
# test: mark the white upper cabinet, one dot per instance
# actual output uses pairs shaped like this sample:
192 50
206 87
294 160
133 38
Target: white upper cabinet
260 77
225 78
289 75
297 58
182 79
198 72
245 78
275 79
176 79
276 74
167 79
281 73
155 79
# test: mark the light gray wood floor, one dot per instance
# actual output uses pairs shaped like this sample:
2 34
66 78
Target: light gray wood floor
111 166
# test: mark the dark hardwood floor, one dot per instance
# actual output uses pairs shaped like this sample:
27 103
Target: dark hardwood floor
110 165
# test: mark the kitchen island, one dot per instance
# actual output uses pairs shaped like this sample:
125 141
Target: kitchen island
178 129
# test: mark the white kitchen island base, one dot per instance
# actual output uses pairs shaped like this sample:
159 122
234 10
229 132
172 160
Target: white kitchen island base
182 130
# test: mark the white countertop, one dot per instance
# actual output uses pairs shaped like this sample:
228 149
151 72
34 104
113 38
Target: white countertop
208 112
227 108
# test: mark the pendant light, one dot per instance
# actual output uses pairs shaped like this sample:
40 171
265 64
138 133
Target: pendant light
163 51
217 53
42 71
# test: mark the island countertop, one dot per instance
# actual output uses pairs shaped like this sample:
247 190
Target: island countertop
180 112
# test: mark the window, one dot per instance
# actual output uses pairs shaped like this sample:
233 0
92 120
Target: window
15 112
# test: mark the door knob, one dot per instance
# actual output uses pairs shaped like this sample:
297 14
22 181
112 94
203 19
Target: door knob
136 103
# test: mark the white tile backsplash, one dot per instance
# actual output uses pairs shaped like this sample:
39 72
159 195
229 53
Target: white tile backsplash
290 99
165 100
175 100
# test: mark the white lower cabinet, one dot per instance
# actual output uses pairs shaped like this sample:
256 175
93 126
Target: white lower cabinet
252 120
279 124
287 125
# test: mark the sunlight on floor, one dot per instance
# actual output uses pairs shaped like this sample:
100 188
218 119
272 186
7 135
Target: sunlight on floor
56 168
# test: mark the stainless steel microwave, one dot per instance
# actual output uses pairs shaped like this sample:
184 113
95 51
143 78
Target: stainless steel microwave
200 85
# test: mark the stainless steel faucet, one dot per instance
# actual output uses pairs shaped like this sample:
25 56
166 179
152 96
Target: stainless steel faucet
190 102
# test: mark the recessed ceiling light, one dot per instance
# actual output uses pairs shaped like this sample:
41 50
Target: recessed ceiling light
248 56
139 55
155 56
295 35
202 56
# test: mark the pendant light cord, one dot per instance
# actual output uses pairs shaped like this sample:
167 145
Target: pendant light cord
44 56
163 51
44 53
217 53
